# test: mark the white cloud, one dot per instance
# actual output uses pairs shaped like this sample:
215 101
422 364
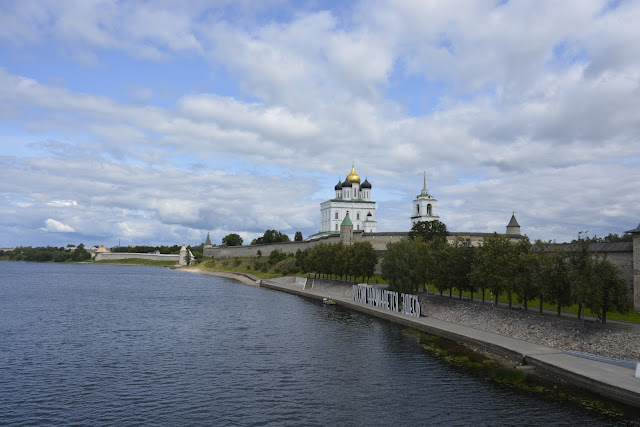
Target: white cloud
62 203
534 108
53 226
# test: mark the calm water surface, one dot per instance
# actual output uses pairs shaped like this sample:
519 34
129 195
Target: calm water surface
99 344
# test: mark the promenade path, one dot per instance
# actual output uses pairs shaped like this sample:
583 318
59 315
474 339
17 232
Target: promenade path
615 382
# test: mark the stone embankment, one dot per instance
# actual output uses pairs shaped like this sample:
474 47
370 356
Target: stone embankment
546 330
539 329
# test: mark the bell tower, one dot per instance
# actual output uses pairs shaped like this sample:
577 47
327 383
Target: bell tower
425 206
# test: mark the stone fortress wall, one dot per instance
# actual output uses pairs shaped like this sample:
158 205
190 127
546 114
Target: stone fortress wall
181 259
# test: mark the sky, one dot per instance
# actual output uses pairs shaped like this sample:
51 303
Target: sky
157 122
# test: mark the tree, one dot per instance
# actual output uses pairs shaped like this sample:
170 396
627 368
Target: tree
457 265
525 268
611 238
298 237
555 277
301 260
187 257
80 253
404 264
581 266
364 260
232 239
436 264
428 230
492 269
607 291
271 236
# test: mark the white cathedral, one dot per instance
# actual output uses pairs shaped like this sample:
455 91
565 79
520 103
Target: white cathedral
353 199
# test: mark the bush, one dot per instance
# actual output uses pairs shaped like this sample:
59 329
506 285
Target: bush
276 256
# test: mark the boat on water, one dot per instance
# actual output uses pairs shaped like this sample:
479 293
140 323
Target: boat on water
328 301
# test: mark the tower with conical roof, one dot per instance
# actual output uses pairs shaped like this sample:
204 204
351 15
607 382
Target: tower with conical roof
513 228
425 206
353 198
346 231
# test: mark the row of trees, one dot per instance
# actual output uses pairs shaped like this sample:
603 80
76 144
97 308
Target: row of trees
338 260
46 254
269 236
523 270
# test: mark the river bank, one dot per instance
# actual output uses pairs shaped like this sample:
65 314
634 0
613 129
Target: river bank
546 330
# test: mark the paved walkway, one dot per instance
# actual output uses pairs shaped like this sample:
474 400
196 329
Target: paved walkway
615 382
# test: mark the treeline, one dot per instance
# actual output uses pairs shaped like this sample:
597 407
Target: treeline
611 238
46 254
338 261
519 270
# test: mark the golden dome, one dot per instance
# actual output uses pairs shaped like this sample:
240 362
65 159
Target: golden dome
353 176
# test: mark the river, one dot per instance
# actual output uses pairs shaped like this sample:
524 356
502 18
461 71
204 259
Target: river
84 344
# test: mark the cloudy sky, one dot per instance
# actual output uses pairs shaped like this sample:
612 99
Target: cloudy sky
154 122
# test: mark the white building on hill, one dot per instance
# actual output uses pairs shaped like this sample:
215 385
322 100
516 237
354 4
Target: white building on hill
353 199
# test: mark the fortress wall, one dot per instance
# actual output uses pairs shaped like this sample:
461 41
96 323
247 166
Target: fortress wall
624 262
265 250
636 271
378 241
107 256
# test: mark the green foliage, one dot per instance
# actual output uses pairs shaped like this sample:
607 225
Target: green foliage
454 264
210 263
357 260
494 263
275 257
232 239
554 276
80 254
271 236
236 262
526 265
46 254
363 260
301 260
404 265
428 230
607 290
611 238
298 237
507 375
